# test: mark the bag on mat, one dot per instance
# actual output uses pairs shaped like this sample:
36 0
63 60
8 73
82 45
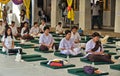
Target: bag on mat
89 69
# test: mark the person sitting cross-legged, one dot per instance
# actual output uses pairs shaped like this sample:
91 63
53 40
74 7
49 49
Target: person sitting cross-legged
46 40
95 51
67 45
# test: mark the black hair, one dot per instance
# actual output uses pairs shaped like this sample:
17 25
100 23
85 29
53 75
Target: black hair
46 27
95 34
0 20
6 34
98 43
67 31
59 23
35 23
13 22
74 27
27 29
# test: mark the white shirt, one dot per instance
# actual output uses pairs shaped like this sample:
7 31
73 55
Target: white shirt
2 28
75 36
7 41
22 31
14 30
34 30
90 45
66 44
46 39
42 27
59 29
95 9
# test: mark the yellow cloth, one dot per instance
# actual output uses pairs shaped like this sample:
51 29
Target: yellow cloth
4 1
70 12
0 12
27 5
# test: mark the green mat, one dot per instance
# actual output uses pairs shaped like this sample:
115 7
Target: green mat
25 46
116 57
65 56
80 72
34 57
106 51
54 67
111 53
10 53
37 50
95 63
117 48
108 46
115 67
35 41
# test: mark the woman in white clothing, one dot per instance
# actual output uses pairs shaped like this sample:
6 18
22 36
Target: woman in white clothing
67 45
25 32
59 29
8 42
35 32
2 28
46 40
75 35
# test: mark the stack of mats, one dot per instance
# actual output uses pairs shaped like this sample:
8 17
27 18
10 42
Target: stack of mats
80 72
33 57
115 67
65 56
95 63
55 67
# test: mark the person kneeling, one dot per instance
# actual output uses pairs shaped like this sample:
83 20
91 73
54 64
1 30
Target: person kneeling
46 40
8 42
67 45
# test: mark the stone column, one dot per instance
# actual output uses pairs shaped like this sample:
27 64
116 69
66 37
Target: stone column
117 17
85 14
33 8
53 13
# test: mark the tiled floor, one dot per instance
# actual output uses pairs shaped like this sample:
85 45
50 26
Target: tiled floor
8 66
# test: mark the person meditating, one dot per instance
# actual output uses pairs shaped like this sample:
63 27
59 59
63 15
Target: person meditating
95 51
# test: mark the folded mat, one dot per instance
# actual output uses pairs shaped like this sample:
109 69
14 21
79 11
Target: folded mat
35 41
34 57
108 46
117 48
65 56
10 53
116 57
80 72
26 46
95 63
37 50
115 67
54 67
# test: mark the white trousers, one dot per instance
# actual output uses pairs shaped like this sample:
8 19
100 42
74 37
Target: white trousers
75 51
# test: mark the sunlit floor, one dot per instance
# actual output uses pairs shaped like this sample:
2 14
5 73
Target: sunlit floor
8 66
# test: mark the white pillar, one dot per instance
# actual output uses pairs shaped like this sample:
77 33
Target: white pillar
117 17
33 4
85 14
53 13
